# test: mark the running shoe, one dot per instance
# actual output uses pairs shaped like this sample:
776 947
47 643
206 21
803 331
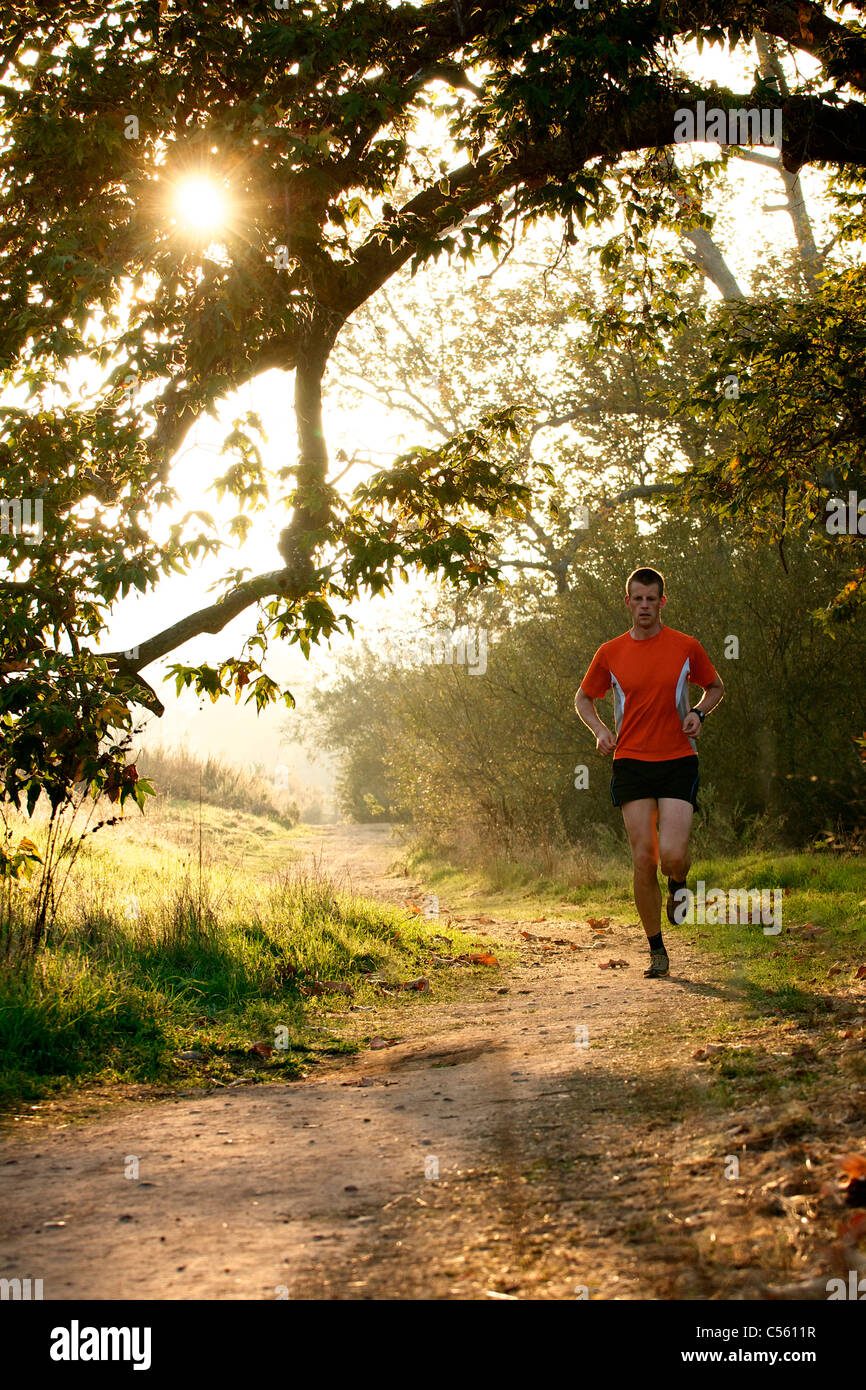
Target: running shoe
659 965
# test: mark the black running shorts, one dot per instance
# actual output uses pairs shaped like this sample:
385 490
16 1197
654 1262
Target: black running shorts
633 779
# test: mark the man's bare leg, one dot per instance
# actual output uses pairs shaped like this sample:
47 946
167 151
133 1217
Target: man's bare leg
640 819
675 827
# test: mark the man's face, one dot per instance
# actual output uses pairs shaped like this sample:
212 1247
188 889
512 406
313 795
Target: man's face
644 603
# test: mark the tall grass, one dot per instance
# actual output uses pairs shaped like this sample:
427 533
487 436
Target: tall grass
532 864
213 965
179 774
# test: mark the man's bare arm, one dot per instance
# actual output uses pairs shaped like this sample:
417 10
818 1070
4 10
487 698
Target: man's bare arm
605 741
713 694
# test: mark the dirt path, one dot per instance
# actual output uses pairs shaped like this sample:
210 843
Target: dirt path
486 1155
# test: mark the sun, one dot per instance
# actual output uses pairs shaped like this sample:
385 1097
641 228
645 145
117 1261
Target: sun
201 204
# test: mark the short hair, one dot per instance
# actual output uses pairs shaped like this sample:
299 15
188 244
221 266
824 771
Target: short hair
645 576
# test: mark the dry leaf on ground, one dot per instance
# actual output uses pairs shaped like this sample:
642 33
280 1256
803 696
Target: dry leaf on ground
854 1168
328 987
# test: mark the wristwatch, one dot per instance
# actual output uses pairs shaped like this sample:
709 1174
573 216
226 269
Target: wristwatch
700 713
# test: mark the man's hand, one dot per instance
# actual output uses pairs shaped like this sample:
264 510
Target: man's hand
606 742
692 725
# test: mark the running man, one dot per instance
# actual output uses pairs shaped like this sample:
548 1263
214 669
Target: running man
655 763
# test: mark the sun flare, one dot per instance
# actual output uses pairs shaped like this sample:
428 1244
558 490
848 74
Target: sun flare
201 204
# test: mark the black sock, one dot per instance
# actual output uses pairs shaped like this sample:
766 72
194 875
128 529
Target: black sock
656 943
674 884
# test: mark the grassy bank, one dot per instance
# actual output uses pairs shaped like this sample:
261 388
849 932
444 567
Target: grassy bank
180 946
822 943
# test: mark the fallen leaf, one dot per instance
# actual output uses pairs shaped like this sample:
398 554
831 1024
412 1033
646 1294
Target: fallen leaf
612 964
853 1165
552 940
328 987
262 1049
598 921
861 973
422 985
808 931
853 1227
382 1042
484 959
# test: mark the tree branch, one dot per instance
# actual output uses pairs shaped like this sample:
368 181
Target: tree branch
211 619
708 259
812 129
805 25
640 490
771 68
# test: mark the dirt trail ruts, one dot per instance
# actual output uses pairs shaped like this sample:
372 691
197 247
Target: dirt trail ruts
486 1155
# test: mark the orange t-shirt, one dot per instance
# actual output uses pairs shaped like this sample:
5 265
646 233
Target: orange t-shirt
650 680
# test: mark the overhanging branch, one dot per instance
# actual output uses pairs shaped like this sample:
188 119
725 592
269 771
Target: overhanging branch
211 619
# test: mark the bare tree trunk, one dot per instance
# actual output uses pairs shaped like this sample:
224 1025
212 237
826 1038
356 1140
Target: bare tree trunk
312 501
771 69
710 261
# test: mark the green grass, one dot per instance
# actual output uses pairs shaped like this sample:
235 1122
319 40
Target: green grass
788 974
152 955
